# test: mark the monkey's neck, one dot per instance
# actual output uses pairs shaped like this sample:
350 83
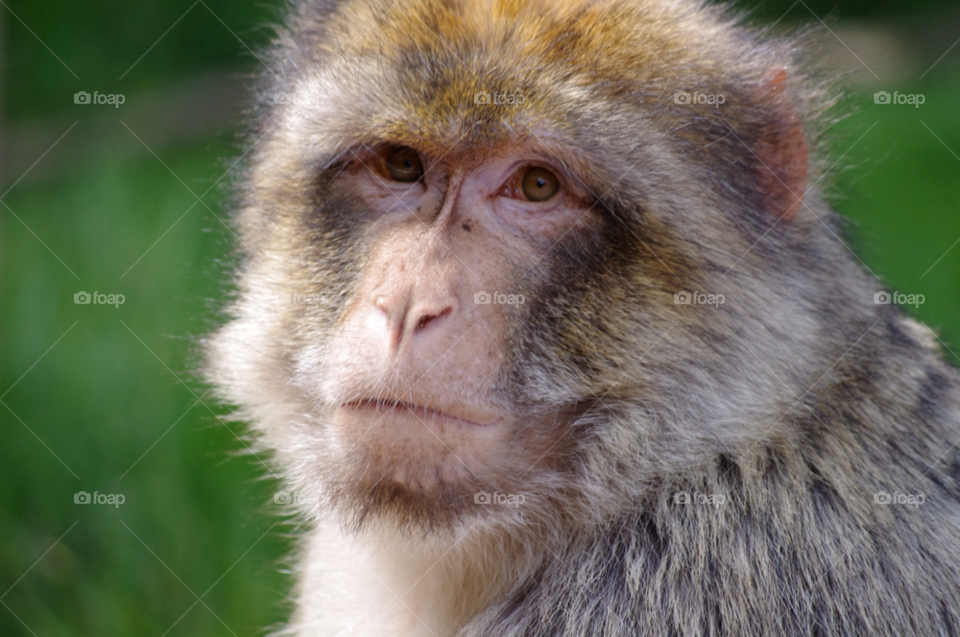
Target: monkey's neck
437 586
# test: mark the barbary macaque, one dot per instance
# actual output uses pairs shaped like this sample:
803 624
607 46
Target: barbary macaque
542 315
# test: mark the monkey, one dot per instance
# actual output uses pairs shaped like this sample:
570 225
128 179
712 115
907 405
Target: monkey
542 313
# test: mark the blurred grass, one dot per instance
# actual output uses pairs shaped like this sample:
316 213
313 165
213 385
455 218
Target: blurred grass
100 399
901 192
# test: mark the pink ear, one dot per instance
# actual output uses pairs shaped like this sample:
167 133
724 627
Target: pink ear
782 149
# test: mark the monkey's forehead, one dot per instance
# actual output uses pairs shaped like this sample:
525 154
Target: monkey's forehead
469 71
511 32
592 34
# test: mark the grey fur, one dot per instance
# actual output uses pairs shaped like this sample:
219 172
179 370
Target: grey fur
792 405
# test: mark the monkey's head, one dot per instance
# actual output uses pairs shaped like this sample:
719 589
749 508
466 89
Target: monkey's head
464 228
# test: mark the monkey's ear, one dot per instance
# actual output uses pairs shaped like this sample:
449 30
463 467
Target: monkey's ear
782 150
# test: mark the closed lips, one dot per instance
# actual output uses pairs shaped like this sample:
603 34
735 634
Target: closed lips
420 411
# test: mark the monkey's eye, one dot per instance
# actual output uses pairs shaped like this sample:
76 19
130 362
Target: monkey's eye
539 184
404 164
534 184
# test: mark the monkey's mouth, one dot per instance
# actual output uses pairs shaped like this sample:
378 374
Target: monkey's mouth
422 412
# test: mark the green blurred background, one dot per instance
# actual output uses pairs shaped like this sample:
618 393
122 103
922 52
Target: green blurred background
94 198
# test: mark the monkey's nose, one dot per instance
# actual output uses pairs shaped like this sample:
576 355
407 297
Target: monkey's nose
403 322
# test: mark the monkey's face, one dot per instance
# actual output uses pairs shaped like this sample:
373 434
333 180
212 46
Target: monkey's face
414 375
463 249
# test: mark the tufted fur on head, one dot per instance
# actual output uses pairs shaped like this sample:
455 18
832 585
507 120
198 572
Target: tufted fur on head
688 468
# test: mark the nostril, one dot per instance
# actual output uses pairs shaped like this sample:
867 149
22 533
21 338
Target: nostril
426 319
